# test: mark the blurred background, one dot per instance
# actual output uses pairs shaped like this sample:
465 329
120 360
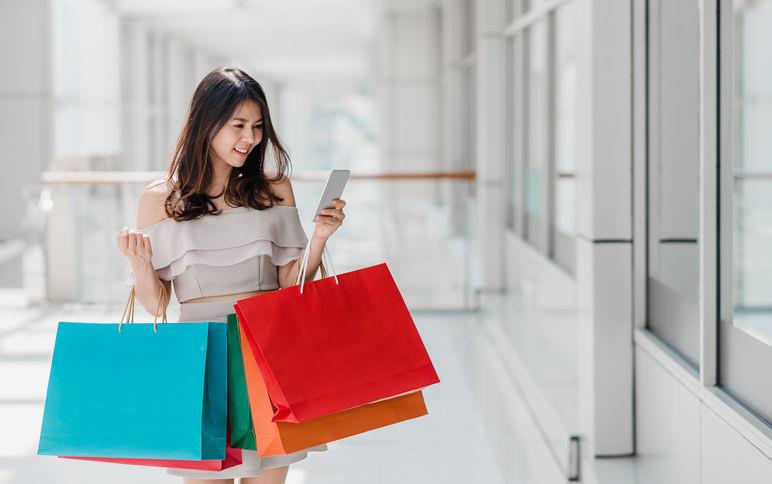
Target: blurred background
573 196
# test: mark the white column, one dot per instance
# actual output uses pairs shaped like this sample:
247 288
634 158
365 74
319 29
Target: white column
136 144
604 224
451 84
203 64
157 102
178 94
26 104
408 89
453 138
490 146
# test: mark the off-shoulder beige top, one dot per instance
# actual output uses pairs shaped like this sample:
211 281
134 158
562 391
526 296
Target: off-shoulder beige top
236 251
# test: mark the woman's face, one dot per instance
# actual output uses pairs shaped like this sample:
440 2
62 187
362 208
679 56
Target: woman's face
239 135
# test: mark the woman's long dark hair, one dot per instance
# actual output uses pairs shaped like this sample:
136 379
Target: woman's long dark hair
191 170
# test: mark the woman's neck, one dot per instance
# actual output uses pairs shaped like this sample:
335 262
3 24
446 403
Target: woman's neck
222 172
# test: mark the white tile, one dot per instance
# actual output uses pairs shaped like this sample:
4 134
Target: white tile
727 456
667 425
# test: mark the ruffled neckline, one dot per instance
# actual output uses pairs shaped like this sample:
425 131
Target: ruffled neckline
234 228
222 212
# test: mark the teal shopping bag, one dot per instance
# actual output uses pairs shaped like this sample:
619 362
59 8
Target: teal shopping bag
137 392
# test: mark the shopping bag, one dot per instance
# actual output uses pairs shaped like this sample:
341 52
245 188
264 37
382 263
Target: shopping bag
280 438
242 435
336 343
232 458
137 391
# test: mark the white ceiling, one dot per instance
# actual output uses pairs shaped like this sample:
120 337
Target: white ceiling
289 40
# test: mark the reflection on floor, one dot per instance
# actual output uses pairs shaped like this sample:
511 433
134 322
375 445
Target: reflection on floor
469 437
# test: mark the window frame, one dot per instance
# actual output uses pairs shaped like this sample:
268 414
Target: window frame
670 315
555 245
742 359
562 244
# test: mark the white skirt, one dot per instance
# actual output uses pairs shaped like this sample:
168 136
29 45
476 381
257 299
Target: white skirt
252 463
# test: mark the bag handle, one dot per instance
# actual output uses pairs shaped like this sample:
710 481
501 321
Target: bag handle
303 270
128 310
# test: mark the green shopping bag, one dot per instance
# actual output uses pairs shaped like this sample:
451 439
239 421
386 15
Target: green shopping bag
242 432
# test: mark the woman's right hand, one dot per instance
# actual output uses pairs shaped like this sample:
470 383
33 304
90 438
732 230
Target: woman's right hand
135 246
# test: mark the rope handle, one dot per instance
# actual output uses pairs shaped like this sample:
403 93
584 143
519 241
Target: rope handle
303 270
128 310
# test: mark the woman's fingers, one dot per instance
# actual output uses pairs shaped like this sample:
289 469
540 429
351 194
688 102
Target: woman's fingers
334 213
330 219
134 244
147 248
123 240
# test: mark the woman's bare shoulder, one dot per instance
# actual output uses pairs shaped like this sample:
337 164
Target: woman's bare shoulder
283 188
152 207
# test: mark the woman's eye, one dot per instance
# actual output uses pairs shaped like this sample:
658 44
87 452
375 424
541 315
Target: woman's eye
260 126
238 125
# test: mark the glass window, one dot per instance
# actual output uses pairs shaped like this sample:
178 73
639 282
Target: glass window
515 8
470 26
563 227
752 264
673 175
746 221
470 117
537 151
516 136
509 137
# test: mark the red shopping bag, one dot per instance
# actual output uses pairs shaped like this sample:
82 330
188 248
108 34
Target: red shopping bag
340 343
281 438
232 458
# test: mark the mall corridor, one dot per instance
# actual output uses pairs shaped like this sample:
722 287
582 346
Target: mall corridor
574 198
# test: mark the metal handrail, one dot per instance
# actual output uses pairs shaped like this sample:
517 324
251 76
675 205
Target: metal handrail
119 177
753 175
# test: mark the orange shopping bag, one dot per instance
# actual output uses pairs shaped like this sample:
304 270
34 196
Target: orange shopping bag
280 438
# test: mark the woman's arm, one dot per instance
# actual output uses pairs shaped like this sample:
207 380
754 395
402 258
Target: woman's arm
288 274
326 224
137 248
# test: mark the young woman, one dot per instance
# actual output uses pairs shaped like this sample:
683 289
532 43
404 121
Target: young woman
219 228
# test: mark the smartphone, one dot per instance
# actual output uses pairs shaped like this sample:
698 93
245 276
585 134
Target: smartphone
333 189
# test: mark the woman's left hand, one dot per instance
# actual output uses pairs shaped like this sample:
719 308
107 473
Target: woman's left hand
329 219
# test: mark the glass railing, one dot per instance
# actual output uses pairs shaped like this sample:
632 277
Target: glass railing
417 223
